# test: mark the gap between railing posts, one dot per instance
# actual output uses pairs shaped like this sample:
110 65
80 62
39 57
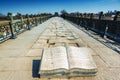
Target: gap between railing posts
40 21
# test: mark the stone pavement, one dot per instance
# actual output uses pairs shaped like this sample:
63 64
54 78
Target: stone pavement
20 57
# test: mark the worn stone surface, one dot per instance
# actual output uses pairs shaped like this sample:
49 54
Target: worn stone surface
19 60
59 61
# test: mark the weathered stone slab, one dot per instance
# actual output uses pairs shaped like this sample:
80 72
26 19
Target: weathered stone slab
44 37
41 41
39 46
59 44
80 43
70 61
34 53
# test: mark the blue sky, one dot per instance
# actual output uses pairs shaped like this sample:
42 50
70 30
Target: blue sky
40 6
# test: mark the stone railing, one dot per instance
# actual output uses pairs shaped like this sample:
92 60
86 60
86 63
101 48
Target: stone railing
104 28
12 28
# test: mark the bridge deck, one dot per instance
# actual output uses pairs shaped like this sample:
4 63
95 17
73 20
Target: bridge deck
19 58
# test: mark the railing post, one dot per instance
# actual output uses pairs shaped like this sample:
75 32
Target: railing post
21 21
41 19
44 18
13 35
91 16
36 21
28 22
117 17
101 16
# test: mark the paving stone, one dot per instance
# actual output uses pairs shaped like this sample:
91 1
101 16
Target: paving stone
34 52
19 58
41 41
39 46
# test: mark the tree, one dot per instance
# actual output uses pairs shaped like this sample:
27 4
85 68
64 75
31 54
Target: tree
56 14
9 14
18 15
63 12
117 15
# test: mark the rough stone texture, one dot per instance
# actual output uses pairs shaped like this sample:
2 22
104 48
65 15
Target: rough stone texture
19 61
65 61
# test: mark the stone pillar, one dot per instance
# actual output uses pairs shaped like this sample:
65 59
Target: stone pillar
40 21
28 22
117 16
13 35
91 16
36 21
85 15
21 21
101 16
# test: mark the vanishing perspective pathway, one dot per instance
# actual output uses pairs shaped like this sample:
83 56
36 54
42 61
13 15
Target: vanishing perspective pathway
20 58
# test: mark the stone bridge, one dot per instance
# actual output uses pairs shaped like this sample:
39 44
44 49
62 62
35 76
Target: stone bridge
20 57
